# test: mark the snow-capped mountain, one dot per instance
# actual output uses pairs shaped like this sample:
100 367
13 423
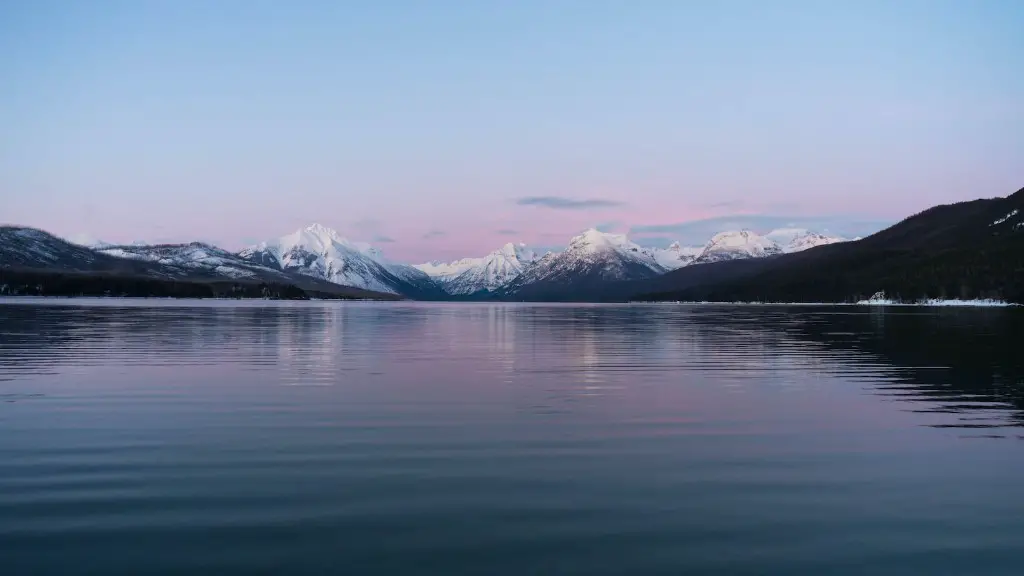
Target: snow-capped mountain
675 256
193 257
317 257
321 252
31 251
735 245
470 275
799 239
591 258
22 247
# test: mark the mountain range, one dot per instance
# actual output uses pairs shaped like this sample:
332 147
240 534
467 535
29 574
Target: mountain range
780 265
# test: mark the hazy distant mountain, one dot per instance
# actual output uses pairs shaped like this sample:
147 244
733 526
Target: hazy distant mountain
799 239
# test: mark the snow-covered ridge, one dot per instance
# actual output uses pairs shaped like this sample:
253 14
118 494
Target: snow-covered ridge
799 239
675 256
321 252
736 245
470 275
592 256
592 244
195 257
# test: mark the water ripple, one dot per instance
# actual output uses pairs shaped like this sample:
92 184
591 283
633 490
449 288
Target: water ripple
240 437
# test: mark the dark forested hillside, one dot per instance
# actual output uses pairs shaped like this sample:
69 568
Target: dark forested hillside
33 262
967 250
58 283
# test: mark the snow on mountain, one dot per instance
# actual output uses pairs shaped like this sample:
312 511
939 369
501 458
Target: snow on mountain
1008 216
470 275
591 257
799 239
736 245
22 247
675 256
444 270
321 252
88 241
193 257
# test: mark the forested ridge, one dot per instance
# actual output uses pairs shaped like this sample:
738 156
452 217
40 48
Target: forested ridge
57 283
968 250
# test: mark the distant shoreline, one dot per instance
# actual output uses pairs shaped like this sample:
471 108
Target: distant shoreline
876 303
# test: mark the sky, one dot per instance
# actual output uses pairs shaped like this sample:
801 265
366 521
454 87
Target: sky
444 129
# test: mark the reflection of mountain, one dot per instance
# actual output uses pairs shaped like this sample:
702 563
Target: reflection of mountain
961 366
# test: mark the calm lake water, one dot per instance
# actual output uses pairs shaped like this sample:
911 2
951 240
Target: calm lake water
149 437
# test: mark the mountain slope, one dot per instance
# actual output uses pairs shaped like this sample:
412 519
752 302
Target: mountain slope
28 248
675 256
966 250
736 245
471 275
194 257
320 252
799 239
591 261
60 267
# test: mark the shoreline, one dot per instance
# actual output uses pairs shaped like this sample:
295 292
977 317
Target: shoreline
930 303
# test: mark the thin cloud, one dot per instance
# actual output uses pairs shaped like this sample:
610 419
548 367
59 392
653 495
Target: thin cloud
383 239
698 231
508 232
433 234
733 204
561 203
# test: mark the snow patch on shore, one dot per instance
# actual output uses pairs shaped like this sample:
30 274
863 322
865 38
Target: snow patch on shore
981 303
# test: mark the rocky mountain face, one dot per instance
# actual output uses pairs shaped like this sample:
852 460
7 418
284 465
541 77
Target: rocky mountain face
320 252
472 275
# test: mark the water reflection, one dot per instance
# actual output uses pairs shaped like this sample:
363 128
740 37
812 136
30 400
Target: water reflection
960 363
240 438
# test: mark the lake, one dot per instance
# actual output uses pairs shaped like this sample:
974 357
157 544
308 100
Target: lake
176 437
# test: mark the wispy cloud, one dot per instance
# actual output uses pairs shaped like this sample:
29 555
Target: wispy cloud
433 234
731 204
508 232
383 239
698 231
561 203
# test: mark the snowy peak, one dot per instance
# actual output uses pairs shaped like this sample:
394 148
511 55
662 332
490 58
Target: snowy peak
591 257
593 243
799 239
194 257
595 240
470 275
320 252
735 245
520 252
675 256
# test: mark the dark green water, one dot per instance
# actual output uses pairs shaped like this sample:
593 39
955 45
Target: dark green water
242 438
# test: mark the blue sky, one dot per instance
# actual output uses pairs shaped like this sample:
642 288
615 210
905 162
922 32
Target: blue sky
443 129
